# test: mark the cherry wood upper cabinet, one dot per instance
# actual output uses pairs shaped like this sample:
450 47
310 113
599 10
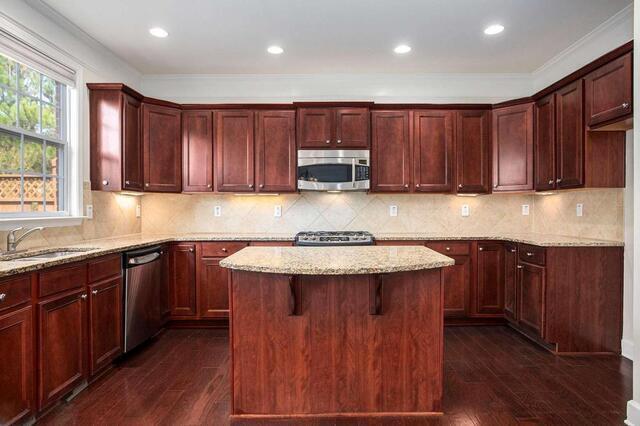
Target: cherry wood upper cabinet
161 130
432 151
390 152
352 128
197 151
513 148
570 136
182 280
17 378
608 92
276 151
116 146
105 323
333 128
473 146
545 144
234 151
489 296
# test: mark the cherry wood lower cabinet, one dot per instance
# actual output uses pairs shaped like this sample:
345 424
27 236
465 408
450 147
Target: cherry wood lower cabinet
488 293
531 297
510 281
321 346
17 372
182 280
105 323
456 279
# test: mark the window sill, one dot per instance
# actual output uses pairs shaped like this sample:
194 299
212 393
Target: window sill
47 222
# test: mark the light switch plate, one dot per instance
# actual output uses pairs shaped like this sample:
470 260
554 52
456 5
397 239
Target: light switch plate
217 211
393 211
465 210
525 210
89 211
277 211
138 210
579 210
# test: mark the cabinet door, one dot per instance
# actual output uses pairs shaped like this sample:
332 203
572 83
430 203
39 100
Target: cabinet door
531 298
197 151
234 151
162 148
456 285
352 128
432 151
390 152
276 151
545 143
608 92
489 296
132 161
182 265
314 127
62 349
213 289
510 281
105 323
513 148
570 136
16 369
472 151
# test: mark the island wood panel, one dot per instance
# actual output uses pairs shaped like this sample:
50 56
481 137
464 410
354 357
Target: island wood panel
513 148
234 151
336 358
570 136
197 151
545 144
276 151
473 146
390 152
433 151
161 135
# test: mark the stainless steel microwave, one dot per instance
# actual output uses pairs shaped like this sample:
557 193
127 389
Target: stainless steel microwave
333 170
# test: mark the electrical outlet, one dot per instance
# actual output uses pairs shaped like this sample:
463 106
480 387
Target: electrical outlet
217 211
138 210
579 210
393 211
525 210
465 210
277 211
89 211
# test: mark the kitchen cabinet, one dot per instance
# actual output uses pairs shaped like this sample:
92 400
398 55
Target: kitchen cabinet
513 148
115 134
489 296
473 147
234 151
570 136
510 282
276 151
608 92
162 148
545 143
105 323
333 128
197 151
433 150
165 285
531 298
182 280
456 280
390 152
17 371
62 345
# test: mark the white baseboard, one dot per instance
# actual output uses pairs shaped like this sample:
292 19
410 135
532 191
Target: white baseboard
627 349
633 413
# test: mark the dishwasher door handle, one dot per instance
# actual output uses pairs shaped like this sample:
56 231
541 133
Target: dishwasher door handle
141 260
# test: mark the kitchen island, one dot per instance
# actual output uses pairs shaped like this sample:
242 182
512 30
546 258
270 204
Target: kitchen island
334 332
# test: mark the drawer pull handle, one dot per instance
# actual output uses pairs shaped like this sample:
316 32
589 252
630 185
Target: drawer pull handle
83 296
447 248
94 292
520 266
3 296
294 296
375 295
551 182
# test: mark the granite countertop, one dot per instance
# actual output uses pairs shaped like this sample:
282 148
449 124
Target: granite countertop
94 248
335 260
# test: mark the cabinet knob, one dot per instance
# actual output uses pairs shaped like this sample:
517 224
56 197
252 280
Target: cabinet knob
327 141
459 185
224 249
417 185
520 266
512 250
83 296
208 185
146 184
250 185
262 185
480 249
3 296
558 180
406 185
495 186
126 182
625 105
105 182
550 181
339 141
94 292
191 249
447 248
529 254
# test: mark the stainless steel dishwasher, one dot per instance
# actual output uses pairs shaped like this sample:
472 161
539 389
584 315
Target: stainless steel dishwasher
142 287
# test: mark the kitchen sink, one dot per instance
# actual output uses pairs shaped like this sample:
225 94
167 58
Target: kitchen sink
52 254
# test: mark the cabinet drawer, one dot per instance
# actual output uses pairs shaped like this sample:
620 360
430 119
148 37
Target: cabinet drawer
61 279
532 254
222 249
15 291
449 247
105 267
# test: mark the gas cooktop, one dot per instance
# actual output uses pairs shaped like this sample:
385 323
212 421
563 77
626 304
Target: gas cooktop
334 238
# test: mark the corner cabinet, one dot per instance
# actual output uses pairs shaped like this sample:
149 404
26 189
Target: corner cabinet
473 147
333 128
513 148
570 136
161 130
545 143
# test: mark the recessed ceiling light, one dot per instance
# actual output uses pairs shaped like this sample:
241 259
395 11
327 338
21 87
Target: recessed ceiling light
493 29
158 32
275 50
403 48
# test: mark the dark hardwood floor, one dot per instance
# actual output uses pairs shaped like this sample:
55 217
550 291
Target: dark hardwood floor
493 376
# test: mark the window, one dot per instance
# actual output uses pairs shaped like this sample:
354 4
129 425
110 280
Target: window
34 113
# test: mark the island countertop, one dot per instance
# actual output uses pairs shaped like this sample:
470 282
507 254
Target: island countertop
348 260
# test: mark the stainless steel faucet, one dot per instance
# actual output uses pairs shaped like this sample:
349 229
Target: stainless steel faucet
12 241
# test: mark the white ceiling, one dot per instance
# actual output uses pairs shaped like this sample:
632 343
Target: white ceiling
336 36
